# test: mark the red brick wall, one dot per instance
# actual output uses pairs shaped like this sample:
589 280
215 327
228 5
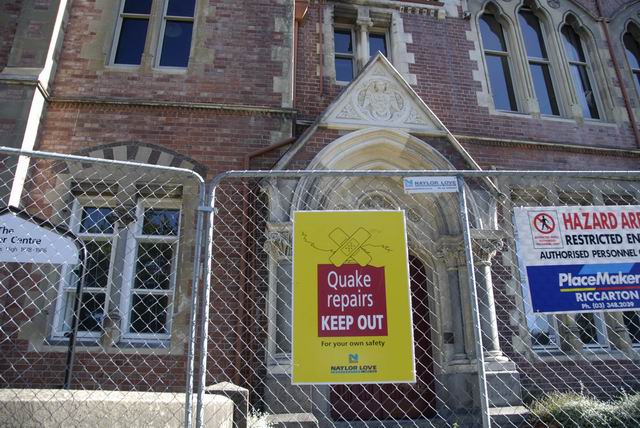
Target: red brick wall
242 70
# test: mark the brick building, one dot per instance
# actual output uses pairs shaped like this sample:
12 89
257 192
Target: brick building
281 84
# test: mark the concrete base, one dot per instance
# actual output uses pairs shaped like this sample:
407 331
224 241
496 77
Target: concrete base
113 409
292 420
281 397
240 398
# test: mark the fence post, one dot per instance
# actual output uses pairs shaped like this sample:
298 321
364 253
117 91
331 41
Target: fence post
482 380
206 292
194 307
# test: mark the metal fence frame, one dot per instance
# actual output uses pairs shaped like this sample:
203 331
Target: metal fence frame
197 268
205 225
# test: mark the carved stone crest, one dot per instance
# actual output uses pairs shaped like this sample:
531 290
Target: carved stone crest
380 101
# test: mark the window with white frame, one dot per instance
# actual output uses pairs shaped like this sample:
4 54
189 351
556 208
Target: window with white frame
152 248
171 26
347 46
130 268
95 224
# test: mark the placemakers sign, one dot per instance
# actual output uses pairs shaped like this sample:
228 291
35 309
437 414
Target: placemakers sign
580 259
351 300
24 241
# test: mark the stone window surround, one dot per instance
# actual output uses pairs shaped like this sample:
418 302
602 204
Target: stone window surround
364 20
552 20
153 42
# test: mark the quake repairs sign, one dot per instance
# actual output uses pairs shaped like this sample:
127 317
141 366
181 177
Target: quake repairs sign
351 299
580 259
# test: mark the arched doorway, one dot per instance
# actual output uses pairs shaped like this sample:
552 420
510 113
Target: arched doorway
397 401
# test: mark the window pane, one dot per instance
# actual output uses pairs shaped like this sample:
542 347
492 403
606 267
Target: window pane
377 43
153 268
91 311
176 44
584 91
137 6
572 45
544 89
181 7
637 79
501 85
633 50
149 314
97 264
541 330
532 34
587 328
131 43
97 220
161 222
492 35
342 41
344 69
632 321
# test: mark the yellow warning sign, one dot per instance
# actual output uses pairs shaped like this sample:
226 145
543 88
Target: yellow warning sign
351 299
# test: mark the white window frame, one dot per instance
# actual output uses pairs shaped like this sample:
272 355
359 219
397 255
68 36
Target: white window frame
66 285
377 31
116 36
163 26
134 237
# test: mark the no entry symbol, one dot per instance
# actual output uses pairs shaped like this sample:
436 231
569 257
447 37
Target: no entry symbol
544 223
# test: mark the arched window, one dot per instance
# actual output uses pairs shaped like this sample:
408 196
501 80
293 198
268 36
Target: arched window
496 56
632 49
538 60
580 72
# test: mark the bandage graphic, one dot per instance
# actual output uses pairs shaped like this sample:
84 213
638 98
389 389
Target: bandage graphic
350 247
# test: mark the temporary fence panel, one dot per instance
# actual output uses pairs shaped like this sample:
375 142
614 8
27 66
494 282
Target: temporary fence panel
129 300
468 288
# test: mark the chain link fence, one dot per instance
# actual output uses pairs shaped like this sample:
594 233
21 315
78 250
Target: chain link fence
119 323
122 324
527 357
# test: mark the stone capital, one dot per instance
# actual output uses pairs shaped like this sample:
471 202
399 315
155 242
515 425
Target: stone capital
485 248
451 251
278 240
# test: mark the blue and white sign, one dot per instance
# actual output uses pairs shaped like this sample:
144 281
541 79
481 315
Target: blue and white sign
580 259
431 184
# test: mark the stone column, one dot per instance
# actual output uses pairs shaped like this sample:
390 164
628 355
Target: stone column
451 254
484 249
363 24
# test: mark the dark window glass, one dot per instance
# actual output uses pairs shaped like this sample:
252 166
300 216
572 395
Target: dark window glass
579 73
377 43
344 69
153 270
149 314
544 89
142 7
584 91
587 329
532 33
97 264
501 85
176 44
181 7
632 49
632 321
91 311
492 34
97 220
160 222
343 42
131 42
573 45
